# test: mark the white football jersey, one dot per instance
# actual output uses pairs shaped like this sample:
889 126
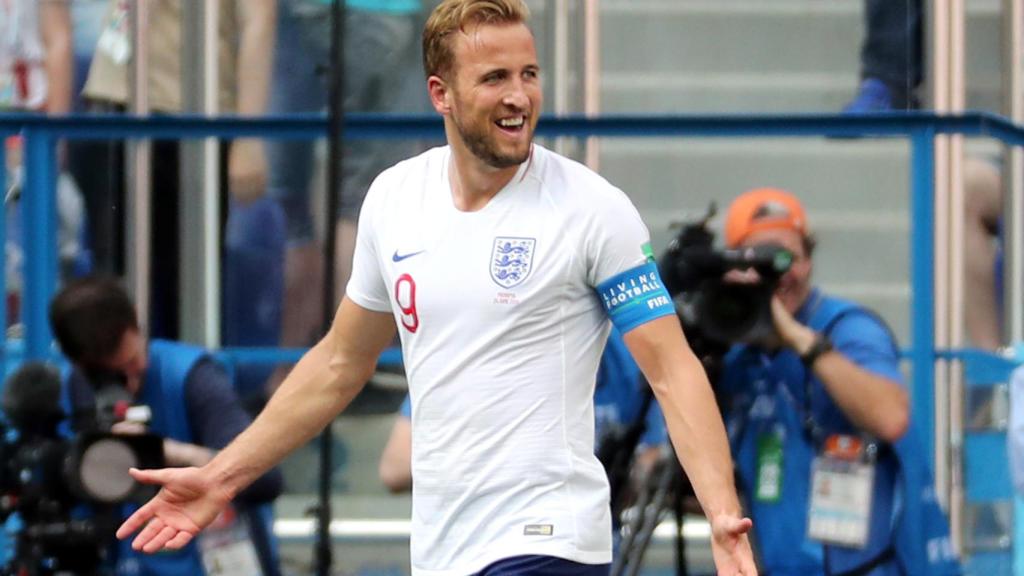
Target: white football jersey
502 331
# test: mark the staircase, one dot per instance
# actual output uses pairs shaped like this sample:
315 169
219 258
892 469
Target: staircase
770 57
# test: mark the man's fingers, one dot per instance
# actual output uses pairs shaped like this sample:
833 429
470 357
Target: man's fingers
179 541
148 533
135 521
733 527
741 526
158 541
159 476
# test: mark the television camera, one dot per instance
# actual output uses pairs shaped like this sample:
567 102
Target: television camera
63 480
716 312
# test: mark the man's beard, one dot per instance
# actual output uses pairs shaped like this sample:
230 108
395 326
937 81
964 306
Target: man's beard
478 144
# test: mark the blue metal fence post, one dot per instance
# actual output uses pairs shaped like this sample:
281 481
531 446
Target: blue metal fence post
40 239
922 258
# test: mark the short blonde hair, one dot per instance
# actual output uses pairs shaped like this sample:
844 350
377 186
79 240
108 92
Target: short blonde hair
457 15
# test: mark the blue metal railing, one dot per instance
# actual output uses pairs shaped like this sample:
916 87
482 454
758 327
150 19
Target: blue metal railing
40 134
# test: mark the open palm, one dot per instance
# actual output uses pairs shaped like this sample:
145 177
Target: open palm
187 503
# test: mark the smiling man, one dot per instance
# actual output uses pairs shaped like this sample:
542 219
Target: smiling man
501 263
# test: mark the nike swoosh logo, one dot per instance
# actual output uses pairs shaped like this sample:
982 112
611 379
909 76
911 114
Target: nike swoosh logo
396 257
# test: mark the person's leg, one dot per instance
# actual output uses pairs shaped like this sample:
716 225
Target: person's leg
891 55
377 45
297 87
982 207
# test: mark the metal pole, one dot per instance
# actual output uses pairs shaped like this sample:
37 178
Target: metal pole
923 265
199 181
138 158
39 239
335 149
4 280
949 402
592 74
560 41
1013 175
940 170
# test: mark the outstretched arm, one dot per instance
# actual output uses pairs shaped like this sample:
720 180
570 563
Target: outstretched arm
322 384
698 436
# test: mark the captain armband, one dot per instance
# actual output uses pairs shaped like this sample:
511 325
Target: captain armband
635 297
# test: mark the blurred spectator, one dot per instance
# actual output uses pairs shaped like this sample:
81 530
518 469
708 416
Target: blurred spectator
825 396
381 56
36 72
193 407
983 207
891 57
35 56
245 42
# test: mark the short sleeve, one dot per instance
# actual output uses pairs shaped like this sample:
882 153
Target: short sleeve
615 238
866 342
621 264
366 286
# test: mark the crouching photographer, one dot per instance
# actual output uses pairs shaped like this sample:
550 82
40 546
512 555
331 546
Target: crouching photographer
190 404
815 407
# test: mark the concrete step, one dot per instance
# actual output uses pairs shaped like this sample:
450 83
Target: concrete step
680 176
755 93
756 55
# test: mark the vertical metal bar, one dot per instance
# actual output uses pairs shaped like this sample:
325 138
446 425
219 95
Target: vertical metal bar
138 162
949 402
199 222
592 74
39 229
560 73
922 259
1013 175
940 289
3 258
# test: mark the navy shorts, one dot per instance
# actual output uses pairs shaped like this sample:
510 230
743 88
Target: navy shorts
533 565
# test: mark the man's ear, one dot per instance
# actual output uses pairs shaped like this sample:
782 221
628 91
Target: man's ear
440 94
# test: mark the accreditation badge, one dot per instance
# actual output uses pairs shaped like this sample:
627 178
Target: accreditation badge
842 477
768 487
227 548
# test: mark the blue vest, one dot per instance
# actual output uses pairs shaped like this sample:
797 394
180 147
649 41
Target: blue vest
163 390
908 532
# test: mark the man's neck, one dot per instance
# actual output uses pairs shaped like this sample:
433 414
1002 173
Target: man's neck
473 182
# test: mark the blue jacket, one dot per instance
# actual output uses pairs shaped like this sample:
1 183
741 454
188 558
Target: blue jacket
777 395
163 391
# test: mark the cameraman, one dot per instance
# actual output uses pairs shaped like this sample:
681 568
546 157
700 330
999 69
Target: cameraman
818 420
193 406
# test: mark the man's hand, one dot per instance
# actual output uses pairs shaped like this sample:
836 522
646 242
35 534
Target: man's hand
247 169
793 334
730 546
187 502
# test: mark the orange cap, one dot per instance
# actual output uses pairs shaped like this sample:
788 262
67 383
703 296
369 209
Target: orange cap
763 209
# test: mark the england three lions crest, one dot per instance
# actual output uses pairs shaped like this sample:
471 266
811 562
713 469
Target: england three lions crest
511 260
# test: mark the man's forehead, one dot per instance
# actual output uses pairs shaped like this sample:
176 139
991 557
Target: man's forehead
493 41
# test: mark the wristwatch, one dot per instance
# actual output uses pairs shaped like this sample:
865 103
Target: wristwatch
820 346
